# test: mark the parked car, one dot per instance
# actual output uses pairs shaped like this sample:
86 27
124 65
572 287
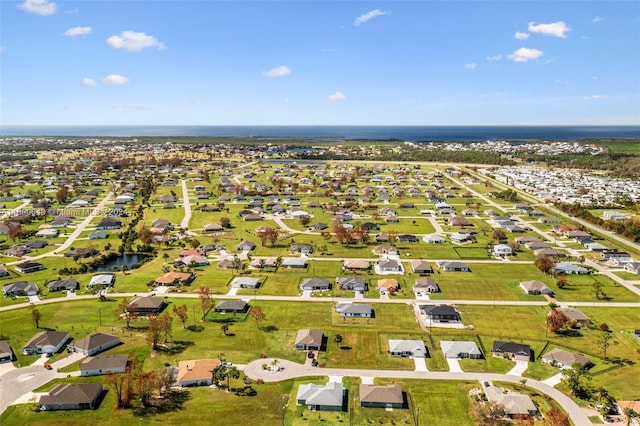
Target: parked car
314 363
310 354
48 367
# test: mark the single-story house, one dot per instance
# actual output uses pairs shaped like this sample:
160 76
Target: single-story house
246 246
47 233
301 248
104 364
388 285
102 280
198 372
356 264
502 250
21 288
425 285
354 310
389 265
321 398
3 271
213 227
68 284
404 348
510 350
72 396
232 306
514 403
434 239
245 282
392 250
28 267
378 396
309 339
315 284
146 305
94 344
109 223
564 359
269 262
535 287
420 266
192 261
45 342
440 313
460 237
175 278
407 238
98 235
576 315
452 266
294 263
6 352
460 349
570 268
352 283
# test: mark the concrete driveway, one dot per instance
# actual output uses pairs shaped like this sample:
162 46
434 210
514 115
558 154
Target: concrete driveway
520 368
420 364
454 365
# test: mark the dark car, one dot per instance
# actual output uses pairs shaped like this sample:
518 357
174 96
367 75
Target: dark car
310 354
314 363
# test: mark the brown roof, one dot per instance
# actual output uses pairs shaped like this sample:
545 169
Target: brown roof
104 362
69 393
172 277
309 336
146 302
389 394
94 341
388 284
197 369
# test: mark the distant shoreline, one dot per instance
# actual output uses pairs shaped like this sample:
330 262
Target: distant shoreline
337 133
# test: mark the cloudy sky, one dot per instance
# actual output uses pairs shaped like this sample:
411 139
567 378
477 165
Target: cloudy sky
319 62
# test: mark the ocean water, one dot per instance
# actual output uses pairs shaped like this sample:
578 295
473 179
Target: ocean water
339 133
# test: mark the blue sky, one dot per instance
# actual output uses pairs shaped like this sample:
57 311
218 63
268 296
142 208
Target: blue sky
319 62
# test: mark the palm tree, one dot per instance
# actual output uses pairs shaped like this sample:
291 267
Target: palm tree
338 339
629 415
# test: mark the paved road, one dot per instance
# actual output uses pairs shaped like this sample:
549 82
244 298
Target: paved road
14 211
292 370
187 206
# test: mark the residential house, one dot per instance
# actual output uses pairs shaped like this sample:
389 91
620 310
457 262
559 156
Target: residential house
535 287
309 340
576 315
515 404
212 227
511 350
321 398
461 237
460 349
105 364
94 344
315 284
28 267
547 252
294 263
425 285
354 310
6 352
564 359
175 278
356 264
72 396
502 250
301 248
434 239
452 266
440 314
246 246
102 280
389 265
382 396
570 268
407 238
198 372
98 235
3 271
232 306
47 233
389 250
109 223
420 266
45 342
21 288
245 282
146 305
407 348
192 261
388 285
352 283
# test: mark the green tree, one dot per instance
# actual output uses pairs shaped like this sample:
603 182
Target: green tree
225 372
338 339
629 415
604 340
258 315
574 378
225 328
598 290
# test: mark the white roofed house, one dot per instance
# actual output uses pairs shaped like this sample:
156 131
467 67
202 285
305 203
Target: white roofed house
407 348
94 344
460 349
535 287
321 398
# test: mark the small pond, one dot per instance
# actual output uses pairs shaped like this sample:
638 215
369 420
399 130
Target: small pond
125 259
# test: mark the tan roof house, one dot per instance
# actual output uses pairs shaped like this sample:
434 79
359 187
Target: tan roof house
197 372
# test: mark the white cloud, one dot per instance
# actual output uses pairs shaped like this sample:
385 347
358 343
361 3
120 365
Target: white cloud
89 82
494 58
525 54
280 71
338 96
133 41
39 7
77 31
555 29
594 97
136 106
197 102
368 16
115 79
597 19
471 66
521 36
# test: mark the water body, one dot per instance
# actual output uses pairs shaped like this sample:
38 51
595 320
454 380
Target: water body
340 133
126 259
